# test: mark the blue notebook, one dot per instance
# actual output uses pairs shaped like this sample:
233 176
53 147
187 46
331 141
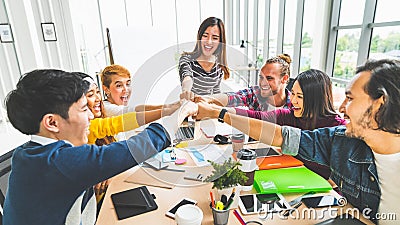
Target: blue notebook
289 180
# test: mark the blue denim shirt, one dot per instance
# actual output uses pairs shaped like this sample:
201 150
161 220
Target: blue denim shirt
351 161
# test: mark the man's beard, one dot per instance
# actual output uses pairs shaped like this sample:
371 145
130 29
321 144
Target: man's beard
364 123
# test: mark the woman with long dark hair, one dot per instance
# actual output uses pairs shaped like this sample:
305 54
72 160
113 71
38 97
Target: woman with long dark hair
312 107
201 70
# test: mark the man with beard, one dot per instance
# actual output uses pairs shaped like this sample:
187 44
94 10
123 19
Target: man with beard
270 93
364 156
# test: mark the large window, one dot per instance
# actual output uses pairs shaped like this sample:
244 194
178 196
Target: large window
346 53
361 30
336 35
273 31
176 20
289 27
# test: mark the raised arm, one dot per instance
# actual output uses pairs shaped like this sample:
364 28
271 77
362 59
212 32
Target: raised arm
218 99
186 78
265 132
101 127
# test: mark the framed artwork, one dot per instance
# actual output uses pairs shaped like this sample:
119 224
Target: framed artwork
49 32
6 33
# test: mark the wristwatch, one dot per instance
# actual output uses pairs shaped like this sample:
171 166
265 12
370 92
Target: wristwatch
221 115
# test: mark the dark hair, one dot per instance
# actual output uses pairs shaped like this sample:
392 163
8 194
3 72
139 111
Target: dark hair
317 95
221 50
40 92
284 60
384 81
107 139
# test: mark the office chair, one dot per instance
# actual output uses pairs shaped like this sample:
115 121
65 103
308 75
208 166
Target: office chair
5 169
290 83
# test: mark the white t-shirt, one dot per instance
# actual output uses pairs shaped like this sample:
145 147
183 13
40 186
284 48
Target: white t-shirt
388 167
116 110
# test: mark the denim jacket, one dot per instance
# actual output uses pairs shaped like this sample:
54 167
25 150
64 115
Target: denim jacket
351 161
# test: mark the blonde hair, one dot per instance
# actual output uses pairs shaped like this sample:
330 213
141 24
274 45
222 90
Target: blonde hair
109 71
284 60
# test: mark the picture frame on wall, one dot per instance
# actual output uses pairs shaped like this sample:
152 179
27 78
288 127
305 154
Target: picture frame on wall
6 33
49 32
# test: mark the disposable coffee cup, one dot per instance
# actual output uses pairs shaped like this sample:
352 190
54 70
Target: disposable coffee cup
247 158
237 141
189 215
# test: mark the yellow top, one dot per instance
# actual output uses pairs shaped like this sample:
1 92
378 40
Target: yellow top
102 127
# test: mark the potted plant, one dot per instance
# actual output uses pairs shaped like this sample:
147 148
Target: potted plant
225 177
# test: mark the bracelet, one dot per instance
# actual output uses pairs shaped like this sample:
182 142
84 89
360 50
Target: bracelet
221 115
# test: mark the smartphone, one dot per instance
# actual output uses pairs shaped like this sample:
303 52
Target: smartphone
265 152
320 201
249 204
185 201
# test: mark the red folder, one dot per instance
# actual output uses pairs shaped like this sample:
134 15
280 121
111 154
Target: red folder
274 162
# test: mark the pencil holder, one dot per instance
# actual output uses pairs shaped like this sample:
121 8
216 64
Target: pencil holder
220 217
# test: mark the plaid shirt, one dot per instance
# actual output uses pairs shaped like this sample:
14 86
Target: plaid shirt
252 99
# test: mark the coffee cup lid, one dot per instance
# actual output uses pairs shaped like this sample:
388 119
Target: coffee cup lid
237 137
246 154
188 213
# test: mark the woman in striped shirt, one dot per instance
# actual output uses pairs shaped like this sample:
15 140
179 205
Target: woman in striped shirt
202 69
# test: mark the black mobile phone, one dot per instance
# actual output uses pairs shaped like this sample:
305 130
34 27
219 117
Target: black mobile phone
249 204
267 198
264 152
320 201
185 201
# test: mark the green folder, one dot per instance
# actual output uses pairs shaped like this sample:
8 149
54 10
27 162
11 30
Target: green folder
289 180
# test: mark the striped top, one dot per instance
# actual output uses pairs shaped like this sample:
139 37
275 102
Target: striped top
204 83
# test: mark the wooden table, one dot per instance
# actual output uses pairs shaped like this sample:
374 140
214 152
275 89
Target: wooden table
166 198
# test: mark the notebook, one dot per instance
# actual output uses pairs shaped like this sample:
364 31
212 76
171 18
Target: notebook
289 180
133 202
281 161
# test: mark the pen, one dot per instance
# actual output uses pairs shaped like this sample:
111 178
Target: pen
236 213
230 200
212 199
224 199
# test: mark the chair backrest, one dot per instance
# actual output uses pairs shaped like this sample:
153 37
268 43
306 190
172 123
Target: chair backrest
5 169
290 83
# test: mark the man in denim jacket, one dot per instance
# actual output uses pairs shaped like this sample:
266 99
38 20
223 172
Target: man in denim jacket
364 156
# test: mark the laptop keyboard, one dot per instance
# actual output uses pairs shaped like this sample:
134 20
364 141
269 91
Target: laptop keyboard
185 133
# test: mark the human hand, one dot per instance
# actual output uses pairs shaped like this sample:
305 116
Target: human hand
188 108
187 95
199 98
207 111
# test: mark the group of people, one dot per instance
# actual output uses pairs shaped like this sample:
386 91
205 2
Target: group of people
73 146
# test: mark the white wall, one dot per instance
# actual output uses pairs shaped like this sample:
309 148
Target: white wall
29 50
